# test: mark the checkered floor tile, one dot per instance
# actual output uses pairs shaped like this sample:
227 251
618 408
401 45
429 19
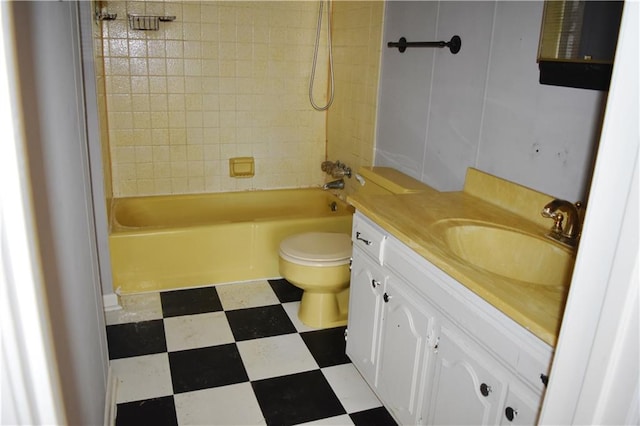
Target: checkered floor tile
232 354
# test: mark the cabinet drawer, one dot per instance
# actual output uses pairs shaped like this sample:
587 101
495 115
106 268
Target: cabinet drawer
531 366
369 238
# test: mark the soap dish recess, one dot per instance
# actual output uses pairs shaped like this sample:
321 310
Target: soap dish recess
242 167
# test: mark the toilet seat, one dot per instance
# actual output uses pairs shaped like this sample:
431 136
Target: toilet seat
317 249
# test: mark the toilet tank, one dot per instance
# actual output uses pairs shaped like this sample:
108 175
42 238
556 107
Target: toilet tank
386 180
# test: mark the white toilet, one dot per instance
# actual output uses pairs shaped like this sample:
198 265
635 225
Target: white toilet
318 262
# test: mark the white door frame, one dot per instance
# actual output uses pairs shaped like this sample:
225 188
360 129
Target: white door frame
594 378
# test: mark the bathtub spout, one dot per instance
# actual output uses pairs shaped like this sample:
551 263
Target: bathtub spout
335 184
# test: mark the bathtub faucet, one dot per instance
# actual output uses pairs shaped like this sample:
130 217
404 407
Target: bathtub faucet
336 170
334 184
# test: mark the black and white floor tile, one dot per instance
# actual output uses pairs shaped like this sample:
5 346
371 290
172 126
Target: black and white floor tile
233 354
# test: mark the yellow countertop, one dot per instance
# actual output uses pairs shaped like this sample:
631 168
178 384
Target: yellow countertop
411 219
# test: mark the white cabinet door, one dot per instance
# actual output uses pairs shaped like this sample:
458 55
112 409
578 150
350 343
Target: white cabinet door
521 406
407 330
365 299
468 386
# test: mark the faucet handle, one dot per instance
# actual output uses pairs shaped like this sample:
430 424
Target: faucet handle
327 166
548 213
557 217
557 224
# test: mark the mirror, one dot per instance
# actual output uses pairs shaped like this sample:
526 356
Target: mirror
578 42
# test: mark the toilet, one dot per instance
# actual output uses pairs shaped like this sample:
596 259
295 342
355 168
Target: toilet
318 262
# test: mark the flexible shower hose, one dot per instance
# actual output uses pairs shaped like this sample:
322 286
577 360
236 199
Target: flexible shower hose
315 58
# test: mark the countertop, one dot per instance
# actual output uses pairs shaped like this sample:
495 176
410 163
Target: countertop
412 218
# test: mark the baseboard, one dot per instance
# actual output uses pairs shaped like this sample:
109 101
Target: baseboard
111 302
110 399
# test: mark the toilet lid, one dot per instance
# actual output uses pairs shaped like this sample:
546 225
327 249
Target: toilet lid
317 247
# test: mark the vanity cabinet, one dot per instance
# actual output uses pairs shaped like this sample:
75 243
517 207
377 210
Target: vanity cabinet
388 338
433 351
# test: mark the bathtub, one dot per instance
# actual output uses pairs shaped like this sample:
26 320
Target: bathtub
170 242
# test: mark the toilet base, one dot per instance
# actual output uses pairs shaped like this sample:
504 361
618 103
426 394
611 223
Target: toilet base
324 310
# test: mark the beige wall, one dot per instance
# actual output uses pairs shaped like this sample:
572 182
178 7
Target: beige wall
351 120
229 79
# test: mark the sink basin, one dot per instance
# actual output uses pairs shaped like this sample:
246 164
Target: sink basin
510 253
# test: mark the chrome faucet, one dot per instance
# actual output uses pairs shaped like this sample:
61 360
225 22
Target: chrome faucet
569 231
334 184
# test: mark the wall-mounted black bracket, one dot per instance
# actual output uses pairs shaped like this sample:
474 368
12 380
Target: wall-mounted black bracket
454 44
